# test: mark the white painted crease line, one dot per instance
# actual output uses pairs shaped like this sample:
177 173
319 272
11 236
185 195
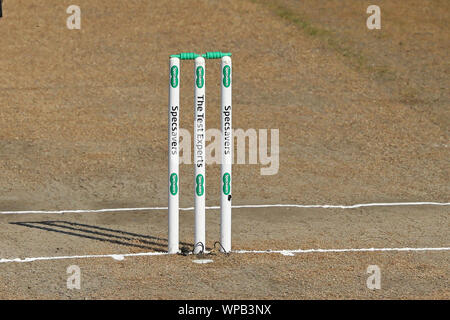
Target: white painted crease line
353 206
324 206
83 210
120 257
114 256
292 252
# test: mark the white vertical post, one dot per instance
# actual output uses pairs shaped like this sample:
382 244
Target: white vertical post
227 155
174 125
199 154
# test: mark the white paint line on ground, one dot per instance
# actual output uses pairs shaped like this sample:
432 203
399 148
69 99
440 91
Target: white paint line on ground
202 261
287 253
114 256
120 257
293 252
324 206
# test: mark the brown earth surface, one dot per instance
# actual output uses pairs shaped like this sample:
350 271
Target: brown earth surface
363 117
404 275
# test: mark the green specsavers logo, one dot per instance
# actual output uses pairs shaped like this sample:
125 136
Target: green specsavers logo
173 188
174 76
200 187
226 76
200 72
226 184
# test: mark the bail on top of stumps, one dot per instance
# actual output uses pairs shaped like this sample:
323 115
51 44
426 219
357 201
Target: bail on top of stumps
199 154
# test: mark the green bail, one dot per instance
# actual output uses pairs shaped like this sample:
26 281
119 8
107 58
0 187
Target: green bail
185 56
216 55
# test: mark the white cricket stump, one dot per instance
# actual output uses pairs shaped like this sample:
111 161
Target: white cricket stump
199 155
174 125
227 156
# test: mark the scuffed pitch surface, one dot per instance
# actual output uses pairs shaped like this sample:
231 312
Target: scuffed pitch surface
83 121
83 125
311 275
327 276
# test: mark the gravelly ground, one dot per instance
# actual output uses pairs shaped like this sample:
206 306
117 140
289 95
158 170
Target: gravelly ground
363 117
238 276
